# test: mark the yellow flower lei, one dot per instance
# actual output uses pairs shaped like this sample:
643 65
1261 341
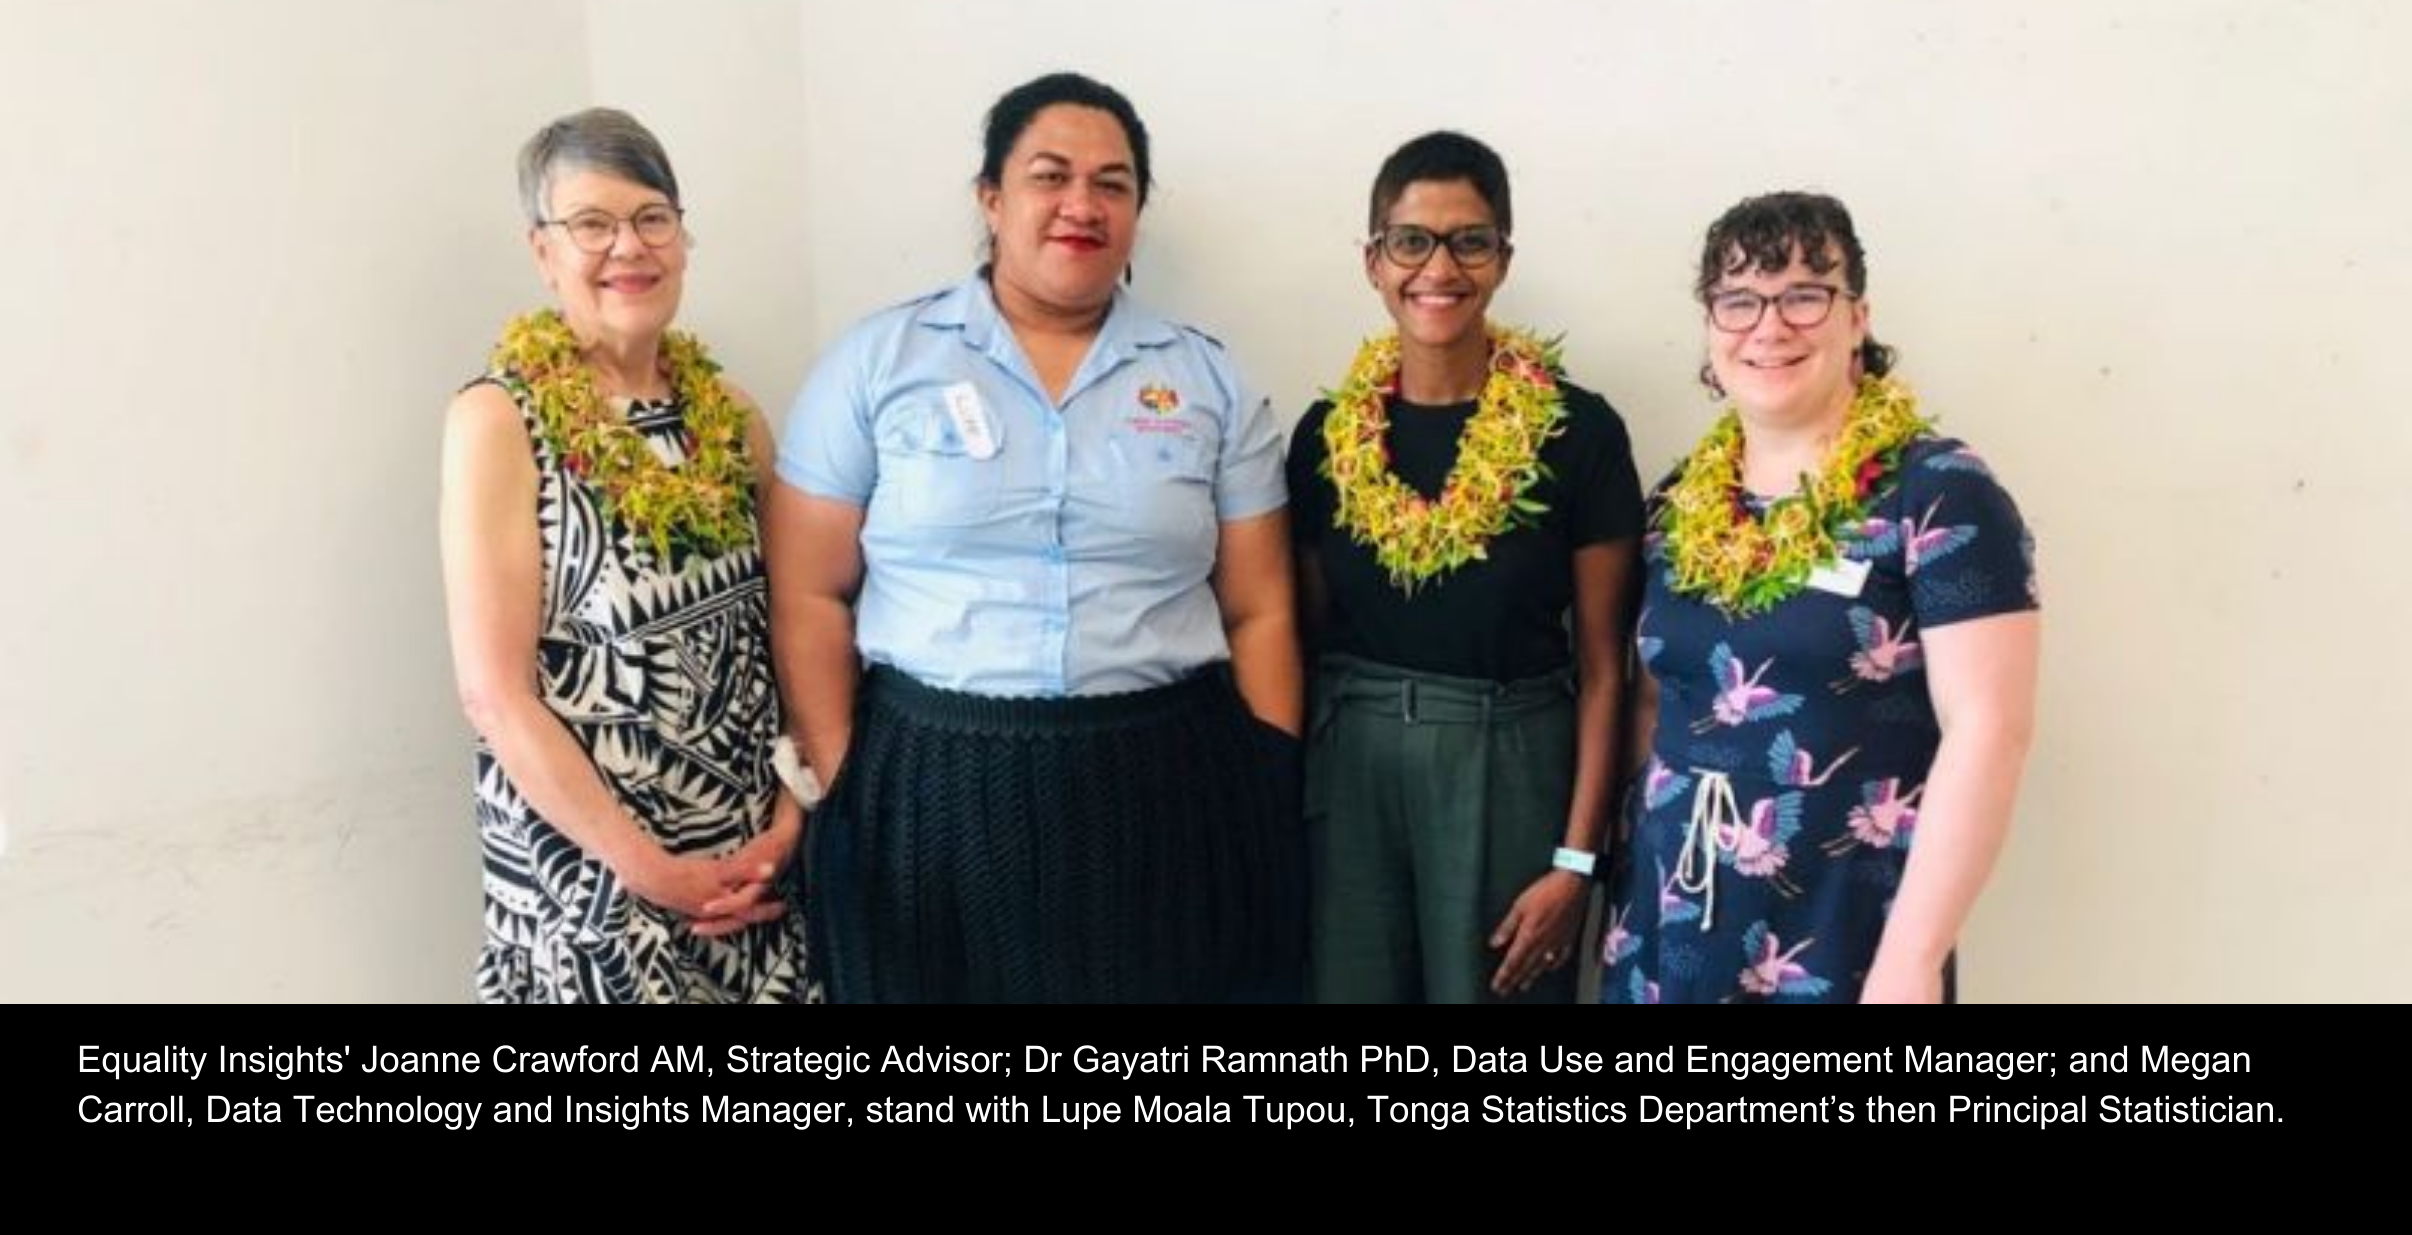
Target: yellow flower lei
1417 539
1744 566
706 505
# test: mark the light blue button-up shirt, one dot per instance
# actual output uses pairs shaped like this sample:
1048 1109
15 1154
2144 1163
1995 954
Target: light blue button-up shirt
1012 547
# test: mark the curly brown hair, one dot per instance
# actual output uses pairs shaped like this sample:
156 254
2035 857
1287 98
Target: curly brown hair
1763 233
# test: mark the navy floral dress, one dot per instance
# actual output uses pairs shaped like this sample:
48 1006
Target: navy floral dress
1762 849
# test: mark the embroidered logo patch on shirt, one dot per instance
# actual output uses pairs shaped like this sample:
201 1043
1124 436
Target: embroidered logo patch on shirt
1161 399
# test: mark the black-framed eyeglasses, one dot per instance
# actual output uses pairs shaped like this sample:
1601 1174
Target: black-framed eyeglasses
1409 246
1802 306
595 231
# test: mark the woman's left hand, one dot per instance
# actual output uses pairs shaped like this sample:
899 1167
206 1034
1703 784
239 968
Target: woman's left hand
1539 931
752 898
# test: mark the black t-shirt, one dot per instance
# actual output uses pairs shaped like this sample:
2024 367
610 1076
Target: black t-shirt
1501 618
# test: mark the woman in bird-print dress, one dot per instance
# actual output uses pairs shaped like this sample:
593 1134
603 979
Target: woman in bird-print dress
1839 637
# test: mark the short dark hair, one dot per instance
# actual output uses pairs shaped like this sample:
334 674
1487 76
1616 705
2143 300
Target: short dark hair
1016 108
1441 156
1762 233
602 139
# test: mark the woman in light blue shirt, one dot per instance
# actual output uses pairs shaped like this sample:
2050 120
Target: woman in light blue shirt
1033 616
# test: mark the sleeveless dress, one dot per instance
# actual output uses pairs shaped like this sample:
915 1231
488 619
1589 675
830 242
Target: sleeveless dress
664 678
1765 842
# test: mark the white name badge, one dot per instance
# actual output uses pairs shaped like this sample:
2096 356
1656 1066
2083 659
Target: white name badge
1842 577
972 424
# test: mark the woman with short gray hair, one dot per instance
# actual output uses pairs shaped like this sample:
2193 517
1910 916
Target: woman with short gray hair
609 619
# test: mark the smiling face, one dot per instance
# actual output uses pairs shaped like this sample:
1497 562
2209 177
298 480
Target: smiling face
1439 304
1779 373
627 292
1063 212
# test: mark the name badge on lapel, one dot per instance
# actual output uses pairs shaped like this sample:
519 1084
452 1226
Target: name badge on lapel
981 438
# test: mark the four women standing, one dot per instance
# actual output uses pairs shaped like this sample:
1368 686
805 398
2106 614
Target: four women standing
1031 596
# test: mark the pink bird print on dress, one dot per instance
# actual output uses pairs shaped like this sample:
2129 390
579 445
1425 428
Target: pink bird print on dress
1925 543
1793 767
1873 538
1663 784
1772 969
1672 907
1618 941
1884 819
1740 699
1883 651
1762 846
1639 990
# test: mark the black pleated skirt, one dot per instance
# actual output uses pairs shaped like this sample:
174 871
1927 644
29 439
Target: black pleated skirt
1138 848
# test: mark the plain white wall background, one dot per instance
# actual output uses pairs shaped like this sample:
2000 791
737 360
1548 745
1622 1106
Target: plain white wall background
2142 253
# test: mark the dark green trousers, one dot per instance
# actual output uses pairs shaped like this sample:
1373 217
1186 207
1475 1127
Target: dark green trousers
1431 804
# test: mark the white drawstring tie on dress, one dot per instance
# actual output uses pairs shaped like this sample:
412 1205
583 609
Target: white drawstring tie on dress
1714 815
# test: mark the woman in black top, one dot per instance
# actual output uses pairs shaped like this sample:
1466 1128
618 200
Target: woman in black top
1467 522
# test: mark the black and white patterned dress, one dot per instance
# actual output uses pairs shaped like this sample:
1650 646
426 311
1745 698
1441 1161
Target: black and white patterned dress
664 678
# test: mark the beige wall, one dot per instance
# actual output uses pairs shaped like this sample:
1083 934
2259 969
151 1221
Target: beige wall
2143 254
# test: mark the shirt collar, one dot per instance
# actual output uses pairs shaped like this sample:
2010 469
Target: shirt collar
970 308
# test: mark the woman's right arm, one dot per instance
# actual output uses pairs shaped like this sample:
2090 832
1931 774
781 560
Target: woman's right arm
815 549
493 580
